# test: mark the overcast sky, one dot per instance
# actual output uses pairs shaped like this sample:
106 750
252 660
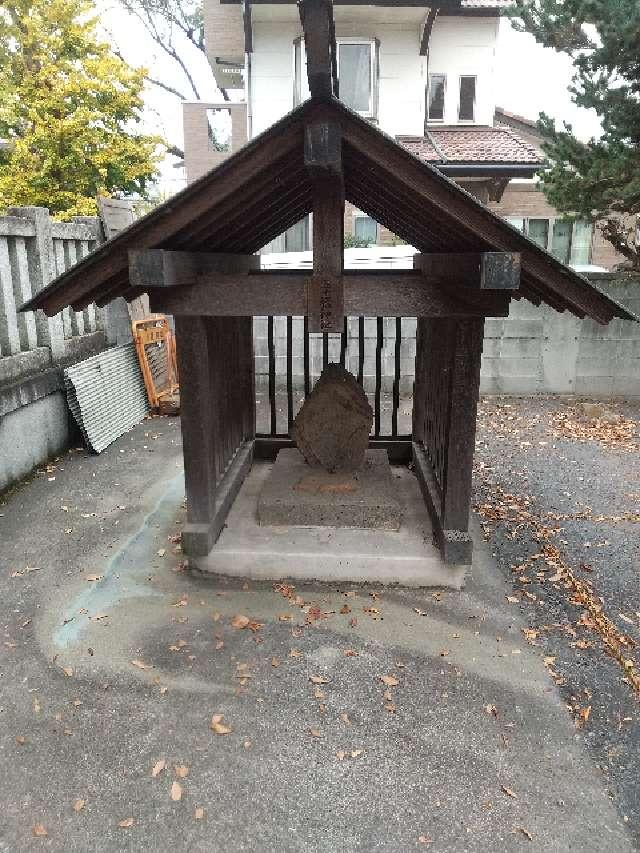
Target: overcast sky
529 79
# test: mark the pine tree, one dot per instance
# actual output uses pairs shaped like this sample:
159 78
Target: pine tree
69 111
597 180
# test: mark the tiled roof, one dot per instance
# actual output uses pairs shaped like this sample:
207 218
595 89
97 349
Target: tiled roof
471 145
485 4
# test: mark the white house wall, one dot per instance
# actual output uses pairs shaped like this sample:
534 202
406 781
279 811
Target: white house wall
465 46
459 46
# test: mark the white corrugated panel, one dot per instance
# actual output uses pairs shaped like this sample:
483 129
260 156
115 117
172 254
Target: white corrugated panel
106 395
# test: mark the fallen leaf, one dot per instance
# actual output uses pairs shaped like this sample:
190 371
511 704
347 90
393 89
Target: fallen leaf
296 653
318 679
158 767
141 664
126 823
389 680
176 792
315 733
356 752
275 662
39 831
240 621
340 754
318 694
68 671
345 609
37 707
162 552
99 616
78 805
181 771
20 739
198 813
351 653
218 726
345 718
424 839
508 792
92 578
525 832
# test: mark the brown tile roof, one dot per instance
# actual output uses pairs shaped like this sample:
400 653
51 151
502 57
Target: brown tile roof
485 4
471 145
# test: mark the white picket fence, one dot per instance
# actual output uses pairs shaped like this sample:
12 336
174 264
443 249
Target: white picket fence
34 249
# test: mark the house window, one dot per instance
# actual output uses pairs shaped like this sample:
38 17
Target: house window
435 97
365 228
467 102
568 240
357 74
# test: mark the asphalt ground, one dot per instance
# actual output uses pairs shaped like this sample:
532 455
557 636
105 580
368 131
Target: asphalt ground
145 708
558 479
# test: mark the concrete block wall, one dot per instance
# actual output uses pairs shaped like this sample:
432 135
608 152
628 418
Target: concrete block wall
34 419
534 350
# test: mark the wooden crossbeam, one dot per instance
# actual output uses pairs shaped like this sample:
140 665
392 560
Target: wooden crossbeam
153 268
472 270
366 294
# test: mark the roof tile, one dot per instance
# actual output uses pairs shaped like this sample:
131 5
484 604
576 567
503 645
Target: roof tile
471 145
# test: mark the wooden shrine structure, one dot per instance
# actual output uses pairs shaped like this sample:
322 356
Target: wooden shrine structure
194 256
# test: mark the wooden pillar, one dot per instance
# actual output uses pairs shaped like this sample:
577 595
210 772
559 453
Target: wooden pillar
448 356
196 416
325 291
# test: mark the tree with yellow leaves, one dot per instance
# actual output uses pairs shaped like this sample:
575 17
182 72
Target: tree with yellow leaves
69 111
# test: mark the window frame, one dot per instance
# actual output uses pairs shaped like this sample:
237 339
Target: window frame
428 97
360 214
551 221
300 91
473 77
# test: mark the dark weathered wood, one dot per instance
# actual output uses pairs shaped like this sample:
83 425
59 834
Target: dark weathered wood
361 350
247 26
151 268
428 28
465 388
343 343
323 149
323 158
371 293
478 271
196 416
455 546
378 381
289 372
325 349
305 357
316 17
398 449
396 377
272 374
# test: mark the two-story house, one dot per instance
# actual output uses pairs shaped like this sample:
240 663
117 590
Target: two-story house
423 76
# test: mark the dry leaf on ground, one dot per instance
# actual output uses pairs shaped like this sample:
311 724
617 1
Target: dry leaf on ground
141 664
508 792
389 680
126 823
158 767
176 792
78 805
182 771
424 839
218 726
240 621
318 679
198 813
39 831
68 671
315 733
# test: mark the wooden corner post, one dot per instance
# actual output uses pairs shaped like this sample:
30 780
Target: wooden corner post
325 291
447 386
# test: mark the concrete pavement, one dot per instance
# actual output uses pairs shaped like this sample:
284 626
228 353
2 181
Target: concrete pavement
363 718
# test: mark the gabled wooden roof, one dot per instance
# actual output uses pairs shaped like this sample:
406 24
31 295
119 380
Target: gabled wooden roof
264 188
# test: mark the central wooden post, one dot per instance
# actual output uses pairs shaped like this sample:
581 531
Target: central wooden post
325 292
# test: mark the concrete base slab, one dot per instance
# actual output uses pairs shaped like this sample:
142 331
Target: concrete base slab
303 496
406 557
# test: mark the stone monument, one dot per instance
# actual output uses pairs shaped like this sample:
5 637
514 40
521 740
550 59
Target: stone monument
332 479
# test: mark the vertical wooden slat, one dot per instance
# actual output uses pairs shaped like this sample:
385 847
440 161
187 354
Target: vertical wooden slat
396 377
325 350
247 372
361 350
305 357
289 372
378 384
343 342
272 376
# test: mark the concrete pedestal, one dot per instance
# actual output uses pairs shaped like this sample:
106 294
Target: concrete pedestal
299 495
406 557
